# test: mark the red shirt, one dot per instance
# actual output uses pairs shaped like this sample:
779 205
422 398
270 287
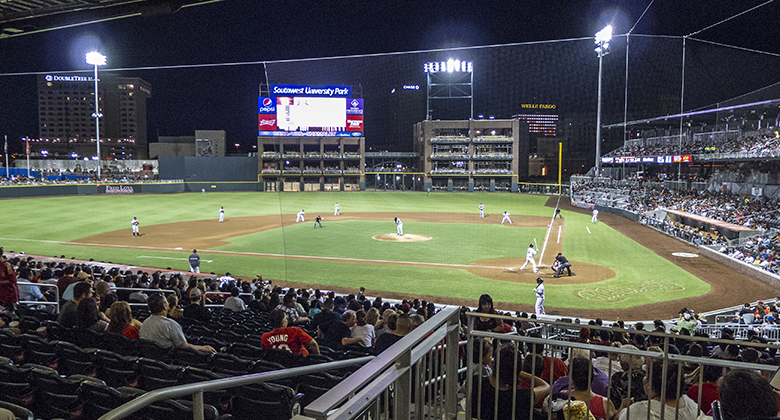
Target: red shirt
709 393
559 369
291 339
9 291
131 332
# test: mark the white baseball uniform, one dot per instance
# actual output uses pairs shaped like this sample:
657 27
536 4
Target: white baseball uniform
336 209
299 217
481 211
399 227
539 308
134 223
529 257
221 214
506 218
595 217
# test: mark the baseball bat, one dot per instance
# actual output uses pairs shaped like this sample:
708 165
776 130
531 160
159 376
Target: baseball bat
537 245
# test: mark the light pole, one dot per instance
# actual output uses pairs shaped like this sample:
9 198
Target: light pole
602 41
97 59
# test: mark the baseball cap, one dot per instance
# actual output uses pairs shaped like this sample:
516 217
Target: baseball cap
195 293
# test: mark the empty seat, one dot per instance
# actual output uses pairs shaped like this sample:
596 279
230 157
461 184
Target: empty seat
117 370
276 402
99 398
42 353
231 364
177 410
187 356
118 343
156 374
152 350
220 398
247 351
18 411
75 360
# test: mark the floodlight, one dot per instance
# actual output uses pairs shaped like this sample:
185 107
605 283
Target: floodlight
96 59
604 35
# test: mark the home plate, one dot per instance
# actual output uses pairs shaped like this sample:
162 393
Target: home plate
685 255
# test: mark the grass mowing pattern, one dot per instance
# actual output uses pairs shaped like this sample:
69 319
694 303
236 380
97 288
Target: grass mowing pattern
68 218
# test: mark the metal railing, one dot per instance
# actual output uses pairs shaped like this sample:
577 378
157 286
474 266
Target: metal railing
197 389
32 303
554 341
416 377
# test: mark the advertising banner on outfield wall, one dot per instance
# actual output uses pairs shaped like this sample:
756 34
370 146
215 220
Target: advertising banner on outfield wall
114 189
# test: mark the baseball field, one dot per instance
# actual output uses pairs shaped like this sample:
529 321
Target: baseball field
448 254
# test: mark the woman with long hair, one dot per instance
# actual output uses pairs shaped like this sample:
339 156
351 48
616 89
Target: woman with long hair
485 323
88 317
122 321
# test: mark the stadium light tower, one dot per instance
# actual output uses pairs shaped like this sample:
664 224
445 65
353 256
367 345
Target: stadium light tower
602 41
97 59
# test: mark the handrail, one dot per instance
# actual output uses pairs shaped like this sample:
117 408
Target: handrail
56 302
395 363
197 389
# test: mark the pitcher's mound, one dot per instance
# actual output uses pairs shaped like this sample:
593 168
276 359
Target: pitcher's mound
408 237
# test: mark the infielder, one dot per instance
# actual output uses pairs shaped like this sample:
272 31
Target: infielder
481 211
558 213
317 221
506 218
134 223
595 217
399 226
539 290
221 214
194 261
299 217
336 209
529 257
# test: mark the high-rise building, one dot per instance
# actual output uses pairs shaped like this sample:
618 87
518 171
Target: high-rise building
66 104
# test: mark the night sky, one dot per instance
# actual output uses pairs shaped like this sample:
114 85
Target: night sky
291 36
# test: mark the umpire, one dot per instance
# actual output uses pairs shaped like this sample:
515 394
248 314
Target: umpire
564 263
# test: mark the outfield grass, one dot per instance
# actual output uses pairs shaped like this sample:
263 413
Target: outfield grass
641 275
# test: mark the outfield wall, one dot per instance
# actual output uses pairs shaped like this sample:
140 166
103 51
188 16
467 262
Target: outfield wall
24 191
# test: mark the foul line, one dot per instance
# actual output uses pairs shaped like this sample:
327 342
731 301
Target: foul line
547 235
560 229
260 254
170 258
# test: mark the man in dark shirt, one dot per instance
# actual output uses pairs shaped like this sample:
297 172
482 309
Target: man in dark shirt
563 263
327 314
68 315
337 334
195 311
67 279
403 325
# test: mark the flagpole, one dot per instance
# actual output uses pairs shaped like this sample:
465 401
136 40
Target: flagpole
28 158
6 156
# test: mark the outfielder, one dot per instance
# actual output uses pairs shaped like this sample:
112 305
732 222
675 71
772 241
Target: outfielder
539 290
595 217
134 223
336 209
194 261
481 211
317 221
506 218
399 226
221 214
529 257
299 217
